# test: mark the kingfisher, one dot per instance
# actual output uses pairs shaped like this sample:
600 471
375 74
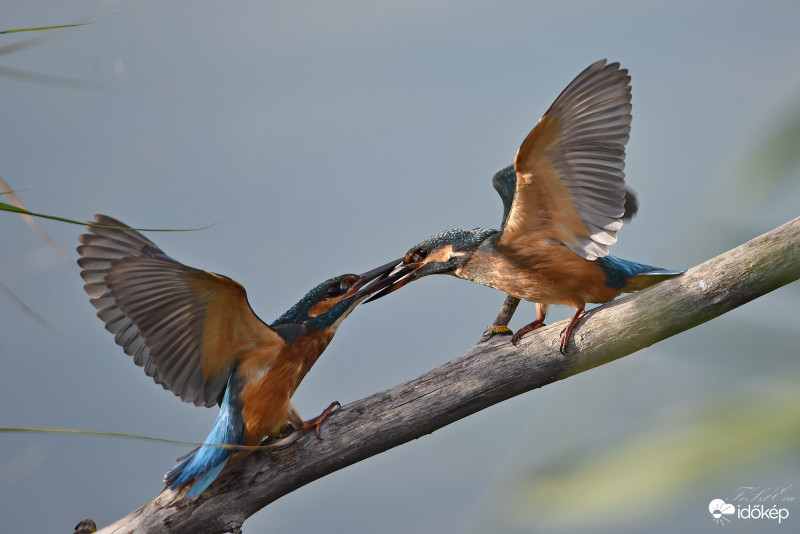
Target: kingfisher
195 334
504 182
564 201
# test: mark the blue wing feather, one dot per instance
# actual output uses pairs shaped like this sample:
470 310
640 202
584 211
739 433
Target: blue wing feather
204 463
624 274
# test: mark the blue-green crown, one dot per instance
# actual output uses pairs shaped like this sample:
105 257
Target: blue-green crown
462 240
298 314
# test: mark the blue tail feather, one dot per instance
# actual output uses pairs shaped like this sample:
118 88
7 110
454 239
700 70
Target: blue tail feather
620 273
204 463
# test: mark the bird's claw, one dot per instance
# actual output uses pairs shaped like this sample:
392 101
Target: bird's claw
85 527
317 421
285 431
516 337
500 329
563 345
524 330
567 332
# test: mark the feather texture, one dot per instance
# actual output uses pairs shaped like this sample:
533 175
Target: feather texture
186 327
570 169
204 463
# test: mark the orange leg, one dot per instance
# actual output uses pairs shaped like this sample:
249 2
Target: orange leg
320 418
567 332
541 313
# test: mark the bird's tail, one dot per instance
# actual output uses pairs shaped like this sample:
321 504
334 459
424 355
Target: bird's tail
629 275
649 278
203 464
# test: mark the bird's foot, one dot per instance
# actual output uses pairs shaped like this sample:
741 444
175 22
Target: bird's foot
320 418
525 329
500 329
86 526
567 332
562 348
285 431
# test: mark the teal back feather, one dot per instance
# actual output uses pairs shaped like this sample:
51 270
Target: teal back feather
620 273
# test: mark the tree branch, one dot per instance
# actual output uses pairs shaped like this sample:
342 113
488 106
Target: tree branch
486 374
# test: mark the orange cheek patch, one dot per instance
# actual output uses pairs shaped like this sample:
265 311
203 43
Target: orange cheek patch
321 307
441 255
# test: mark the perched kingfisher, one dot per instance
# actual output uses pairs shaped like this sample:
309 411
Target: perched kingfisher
504 182
195 334
563 202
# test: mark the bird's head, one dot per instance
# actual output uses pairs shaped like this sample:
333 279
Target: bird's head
441 253
330 302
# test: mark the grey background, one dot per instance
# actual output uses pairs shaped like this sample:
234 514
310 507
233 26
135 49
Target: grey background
329 137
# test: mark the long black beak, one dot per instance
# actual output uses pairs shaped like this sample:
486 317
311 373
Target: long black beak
378 279
400 275
373 280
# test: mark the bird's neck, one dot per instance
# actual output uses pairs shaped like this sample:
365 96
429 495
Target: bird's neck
307 349
480 265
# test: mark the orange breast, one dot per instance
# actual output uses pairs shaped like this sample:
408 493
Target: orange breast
540 270
271 379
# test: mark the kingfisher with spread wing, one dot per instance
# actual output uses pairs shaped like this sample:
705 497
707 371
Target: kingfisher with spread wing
564 202
194 333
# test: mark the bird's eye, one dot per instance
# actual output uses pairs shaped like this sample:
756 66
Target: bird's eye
420 254
334 291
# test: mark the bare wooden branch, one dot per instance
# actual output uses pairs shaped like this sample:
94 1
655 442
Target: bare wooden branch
486 374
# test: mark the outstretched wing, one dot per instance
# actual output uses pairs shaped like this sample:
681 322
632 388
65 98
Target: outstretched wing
570 179
504 182
186 327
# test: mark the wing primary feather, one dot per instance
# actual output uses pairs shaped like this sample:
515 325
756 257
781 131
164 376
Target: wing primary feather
156 309
570 168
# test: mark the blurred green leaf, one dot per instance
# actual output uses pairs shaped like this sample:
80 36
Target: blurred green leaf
75 431
41 28
635 478
52 80
771 163
27 310
45 79
23 211
12 194
123 435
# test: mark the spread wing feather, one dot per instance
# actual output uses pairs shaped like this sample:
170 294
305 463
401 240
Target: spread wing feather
570 179
184 326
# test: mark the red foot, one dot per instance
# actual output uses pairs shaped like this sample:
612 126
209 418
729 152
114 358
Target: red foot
538 323
567 332
320 418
